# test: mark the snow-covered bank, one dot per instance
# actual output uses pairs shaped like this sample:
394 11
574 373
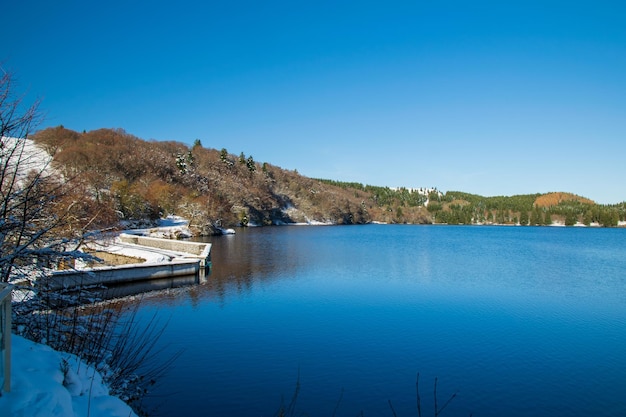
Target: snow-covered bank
170 227
47 383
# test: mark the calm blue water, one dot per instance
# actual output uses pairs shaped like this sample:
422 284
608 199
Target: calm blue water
519 321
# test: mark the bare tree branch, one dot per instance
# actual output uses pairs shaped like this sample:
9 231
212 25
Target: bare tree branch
32 210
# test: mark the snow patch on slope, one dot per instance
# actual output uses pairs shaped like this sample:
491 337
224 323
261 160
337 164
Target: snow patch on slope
47 383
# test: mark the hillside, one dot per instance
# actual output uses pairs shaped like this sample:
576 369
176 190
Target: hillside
119 178
554 199
126 178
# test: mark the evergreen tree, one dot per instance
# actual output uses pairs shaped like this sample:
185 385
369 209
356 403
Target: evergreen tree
547 220
181 163
609 217
523 218
570 218
399 215
250 164
535 217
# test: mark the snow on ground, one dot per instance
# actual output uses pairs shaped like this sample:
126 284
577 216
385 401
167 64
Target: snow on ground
171 227
28 156
47 383
149 255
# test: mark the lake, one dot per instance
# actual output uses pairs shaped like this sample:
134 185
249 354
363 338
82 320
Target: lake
517 321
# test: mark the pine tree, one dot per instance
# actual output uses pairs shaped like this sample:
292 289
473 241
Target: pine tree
250 164
523 218
547 220
535 217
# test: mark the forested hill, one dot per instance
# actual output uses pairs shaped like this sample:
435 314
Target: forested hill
124 178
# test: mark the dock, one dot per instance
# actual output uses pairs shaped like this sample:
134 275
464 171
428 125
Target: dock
181 249
165 259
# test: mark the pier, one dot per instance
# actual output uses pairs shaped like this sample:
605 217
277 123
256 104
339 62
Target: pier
177 248
165 259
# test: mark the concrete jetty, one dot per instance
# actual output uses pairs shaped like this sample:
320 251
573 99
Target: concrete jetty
174 258
177 248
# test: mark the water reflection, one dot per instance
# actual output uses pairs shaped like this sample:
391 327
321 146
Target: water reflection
518 319
253 255
149 285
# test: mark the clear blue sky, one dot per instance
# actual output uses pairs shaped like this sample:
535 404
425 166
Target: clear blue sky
492 98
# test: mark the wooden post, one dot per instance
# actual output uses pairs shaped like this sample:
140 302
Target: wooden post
5 336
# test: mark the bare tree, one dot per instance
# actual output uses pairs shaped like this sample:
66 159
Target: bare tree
16 119
31 207
43 220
